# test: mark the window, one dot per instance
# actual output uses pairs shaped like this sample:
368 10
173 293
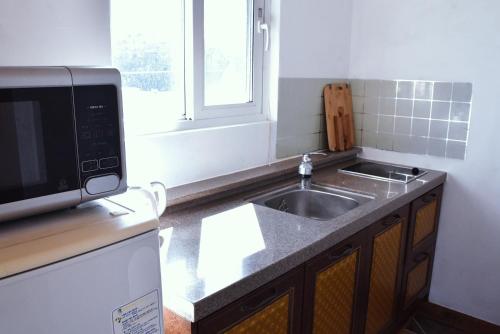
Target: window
188 63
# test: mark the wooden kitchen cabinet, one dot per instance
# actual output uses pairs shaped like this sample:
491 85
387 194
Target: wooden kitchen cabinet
424 219
418 277
331 290
422 235
387 246
273 308
369 283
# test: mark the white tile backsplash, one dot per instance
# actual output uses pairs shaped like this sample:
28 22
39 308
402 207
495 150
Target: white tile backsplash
458 131
370 122
405 89
420 117
386 124
357 104
460 111
388 88
412 116
403 125
370 105
385 141
387 106
418 145
404 107
402 143
440 110
462 92
420 127
423 90
442 91
438 129
437 147
422 109
358 87
372 88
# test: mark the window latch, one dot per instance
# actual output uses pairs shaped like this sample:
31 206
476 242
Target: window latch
263 28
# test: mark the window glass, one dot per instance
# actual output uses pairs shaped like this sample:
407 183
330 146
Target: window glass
148 49
228 51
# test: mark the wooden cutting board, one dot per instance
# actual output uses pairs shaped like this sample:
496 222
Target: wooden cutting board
339 117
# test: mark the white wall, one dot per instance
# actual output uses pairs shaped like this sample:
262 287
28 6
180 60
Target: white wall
54 32
447 40
198 154
315 38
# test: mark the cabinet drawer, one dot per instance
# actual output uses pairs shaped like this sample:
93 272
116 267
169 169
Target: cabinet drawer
273 308
424 218
418 277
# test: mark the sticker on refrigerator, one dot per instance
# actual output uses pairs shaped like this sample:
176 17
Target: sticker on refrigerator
142 316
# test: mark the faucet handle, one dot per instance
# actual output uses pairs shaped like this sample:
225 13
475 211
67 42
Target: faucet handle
306 156
306 166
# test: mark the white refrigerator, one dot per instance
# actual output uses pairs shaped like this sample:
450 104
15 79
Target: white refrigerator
90 270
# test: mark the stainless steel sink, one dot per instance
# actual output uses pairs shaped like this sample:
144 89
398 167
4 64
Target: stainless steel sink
384 172
316 202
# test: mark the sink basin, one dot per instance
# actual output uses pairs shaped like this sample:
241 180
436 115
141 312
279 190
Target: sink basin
384 172
316 202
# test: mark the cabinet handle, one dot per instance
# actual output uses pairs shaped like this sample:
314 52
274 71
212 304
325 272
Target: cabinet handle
337 255
254 305
429 198
420 257
395 219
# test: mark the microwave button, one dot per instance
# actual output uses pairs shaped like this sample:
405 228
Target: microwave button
110 162
89 166
101 184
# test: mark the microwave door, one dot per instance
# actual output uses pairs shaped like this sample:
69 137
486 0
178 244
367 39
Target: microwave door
38 151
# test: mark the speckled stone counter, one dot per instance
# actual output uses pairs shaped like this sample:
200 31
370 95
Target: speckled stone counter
217 252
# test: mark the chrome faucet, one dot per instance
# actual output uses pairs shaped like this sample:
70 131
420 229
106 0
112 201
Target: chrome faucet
306 168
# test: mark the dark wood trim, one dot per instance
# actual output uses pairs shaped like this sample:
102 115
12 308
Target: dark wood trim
456 319
364 282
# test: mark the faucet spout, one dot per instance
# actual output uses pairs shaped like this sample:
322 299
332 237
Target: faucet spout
305 182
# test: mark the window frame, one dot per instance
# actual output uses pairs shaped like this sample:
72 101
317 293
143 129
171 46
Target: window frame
196 110
195 115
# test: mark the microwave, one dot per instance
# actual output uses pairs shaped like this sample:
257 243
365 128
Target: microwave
61 138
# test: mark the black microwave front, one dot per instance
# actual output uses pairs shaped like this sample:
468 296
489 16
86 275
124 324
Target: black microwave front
61 138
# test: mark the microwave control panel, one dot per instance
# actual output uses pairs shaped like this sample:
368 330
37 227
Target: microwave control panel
98 132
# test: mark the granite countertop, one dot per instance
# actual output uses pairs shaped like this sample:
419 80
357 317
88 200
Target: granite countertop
214 253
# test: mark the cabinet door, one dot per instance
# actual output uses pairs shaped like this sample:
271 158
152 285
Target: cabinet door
425 217
418 277
331 289
387 256
273 308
